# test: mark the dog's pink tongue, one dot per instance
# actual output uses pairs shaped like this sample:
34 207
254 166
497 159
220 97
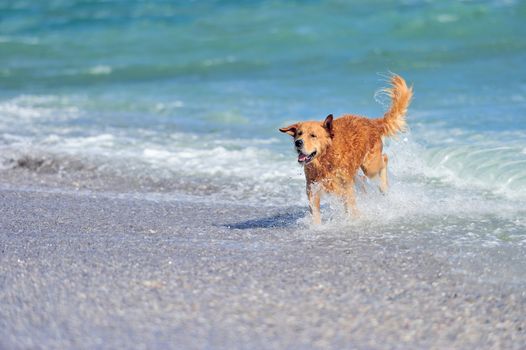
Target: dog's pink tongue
301 157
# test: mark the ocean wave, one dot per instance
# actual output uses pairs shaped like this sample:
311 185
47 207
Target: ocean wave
263 168
499 169
19 40
493 167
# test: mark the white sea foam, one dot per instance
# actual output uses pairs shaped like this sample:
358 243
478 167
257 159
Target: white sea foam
100 70
446 18
30 108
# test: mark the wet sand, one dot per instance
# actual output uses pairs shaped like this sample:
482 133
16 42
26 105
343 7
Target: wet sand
95 270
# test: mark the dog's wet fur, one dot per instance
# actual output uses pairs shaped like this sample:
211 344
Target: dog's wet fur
333 150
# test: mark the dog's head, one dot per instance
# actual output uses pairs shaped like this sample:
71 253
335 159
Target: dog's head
311 139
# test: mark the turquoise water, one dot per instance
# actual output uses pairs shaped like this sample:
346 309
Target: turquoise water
195 92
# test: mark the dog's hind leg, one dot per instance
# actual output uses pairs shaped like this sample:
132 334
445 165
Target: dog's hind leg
375 164
361 180
383 175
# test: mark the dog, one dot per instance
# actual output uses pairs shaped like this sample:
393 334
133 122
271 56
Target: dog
333 150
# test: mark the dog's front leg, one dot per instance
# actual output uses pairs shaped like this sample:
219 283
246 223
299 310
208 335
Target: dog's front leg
314 205
350 201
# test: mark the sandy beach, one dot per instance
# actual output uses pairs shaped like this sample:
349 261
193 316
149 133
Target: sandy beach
99 270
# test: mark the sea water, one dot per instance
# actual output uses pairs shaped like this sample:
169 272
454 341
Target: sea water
188 97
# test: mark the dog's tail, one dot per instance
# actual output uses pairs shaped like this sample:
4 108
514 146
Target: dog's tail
394 119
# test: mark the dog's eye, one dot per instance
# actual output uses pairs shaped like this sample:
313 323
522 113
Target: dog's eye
300 133
312 135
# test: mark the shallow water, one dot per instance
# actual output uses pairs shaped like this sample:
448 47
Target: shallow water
187 98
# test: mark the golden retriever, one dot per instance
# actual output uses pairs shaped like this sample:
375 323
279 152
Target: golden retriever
332 151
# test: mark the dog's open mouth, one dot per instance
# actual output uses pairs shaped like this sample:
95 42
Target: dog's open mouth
304 158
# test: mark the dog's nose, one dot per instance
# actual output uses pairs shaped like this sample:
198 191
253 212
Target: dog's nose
298 143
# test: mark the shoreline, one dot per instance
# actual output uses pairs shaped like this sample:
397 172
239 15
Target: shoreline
83 271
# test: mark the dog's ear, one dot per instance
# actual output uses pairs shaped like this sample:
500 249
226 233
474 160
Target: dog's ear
291 129
327 124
